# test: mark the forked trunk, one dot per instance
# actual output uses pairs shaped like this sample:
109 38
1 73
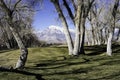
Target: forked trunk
65 27
77 29
77 41
69 40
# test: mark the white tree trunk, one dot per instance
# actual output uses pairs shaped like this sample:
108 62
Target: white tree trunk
77 29
24 52
77 42
109 44
93 34
89 41
65 27
8 45
68 39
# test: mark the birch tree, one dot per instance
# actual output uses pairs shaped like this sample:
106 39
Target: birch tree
78 14
112 27
81 10
65 25
97 25
16 11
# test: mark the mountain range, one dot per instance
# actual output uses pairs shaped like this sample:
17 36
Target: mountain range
53 34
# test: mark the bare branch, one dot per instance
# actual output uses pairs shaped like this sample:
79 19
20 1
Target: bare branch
16 4
73 2
68 9
115 8
4 6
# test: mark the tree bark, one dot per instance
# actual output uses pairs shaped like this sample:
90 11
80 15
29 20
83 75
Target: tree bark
109 44
5 37
111 32
118 34
93 34
77 41
89 41
24 52
8 45
81 14
82 36
77 29
65 26
106 35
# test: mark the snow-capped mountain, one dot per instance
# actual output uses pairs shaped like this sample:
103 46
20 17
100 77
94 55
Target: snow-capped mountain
53 34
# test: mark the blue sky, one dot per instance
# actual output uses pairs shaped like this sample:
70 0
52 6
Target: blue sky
45 16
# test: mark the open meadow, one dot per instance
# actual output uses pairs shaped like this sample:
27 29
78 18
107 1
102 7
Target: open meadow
53 63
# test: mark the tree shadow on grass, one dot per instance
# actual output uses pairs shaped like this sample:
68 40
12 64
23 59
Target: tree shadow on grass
56 65
99 49
111 62
115 76
38 76
52 64
95 50
77 71
7 50
84 71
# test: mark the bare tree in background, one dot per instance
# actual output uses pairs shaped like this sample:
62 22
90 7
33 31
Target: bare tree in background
15 12
112 26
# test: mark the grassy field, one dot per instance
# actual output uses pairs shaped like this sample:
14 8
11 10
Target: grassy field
53 63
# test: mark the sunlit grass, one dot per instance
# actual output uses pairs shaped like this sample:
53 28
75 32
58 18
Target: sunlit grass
55 64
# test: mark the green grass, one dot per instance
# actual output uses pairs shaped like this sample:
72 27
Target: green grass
52 63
